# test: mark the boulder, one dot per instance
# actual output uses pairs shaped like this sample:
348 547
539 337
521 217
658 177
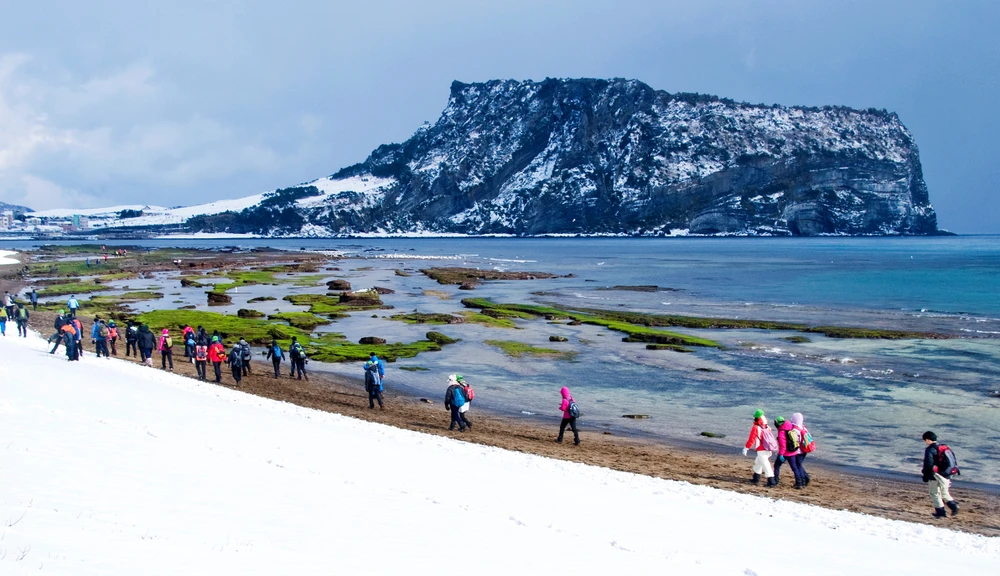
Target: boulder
247 313
558 339
439 338
467 286
219 298
339 285
382 290
370 340
361 298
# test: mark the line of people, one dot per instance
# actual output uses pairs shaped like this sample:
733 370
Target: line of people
19 315
790 445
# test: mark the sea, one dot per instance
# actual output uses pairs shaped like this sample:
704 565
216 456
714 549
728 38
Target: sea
866 401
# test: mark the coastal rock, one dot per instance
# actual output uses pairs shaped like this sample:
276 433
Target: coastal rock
361 298
219 298
382 290
558 339
591 156
339 285
247 313
469 285
370 340
440 338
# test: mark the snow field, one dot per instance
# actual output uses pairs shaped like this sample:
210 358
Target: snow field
6 258
108 467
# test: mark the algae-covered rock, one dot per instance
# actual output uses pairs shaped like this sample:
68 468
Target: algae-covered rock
261 299
440 338
219 298
360 298
558 339
247 313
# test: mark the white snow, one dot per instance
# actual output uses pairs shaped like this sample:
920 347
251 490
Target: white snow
5 258
108 467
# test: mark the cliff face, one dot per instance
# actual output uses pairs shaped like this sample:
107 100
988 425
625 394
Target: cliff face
615 156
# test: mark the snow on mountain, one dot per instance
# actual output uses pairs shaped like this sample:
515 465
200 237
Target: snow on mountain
109 467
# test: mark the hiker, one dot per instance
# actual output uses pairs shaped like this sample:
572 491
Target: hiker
166 350
113 337
33 297
246 354
570 413
58 323
3 322
469 394
236 362
373 381
72 304
187 335
8 304
807 446
789 450
131 339
101 340
940 465
762 440
298 357
275 355
68 331
201 356
217 355
77 337
21 319
453 401
146 343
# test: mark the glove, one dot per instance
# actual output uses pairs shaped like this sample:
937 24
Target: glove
744 451
781 458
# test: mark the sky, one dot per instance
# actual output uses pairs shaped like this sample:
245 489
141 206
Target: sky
105 103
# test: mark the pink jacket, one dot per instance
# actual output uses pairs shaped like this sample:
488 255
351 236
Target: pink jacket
783 439
566 399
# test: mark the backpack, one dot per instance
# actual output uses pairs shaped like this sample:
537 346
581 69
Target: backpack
767 440
247 353
298 351
276 351
236 360
793 439
103 332
573 409
945 461
808 445
468 392
112 332
201 353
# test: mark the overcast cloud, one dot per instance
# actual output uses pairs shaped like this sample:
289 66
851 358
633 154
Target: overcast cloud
106 103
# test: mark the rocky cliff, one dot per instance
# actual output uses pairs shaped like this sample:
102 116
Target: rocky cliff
617 157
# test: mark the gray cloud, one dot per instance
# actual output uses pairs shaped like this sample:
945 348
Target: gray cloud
114 102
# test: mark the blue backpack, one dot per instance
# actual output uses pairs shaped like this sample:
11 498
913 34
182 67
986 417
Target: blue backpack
276 351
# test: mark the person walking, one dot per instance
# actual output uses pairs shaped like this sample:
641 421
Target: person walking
21 319
113 337
201 356
166 350
275 355
3 323
69 340
217 355
298 355
146 343
789 450
453 401
187 337
72 304
468 394
246 354
236 362
101 341
806 447
57 337
131 339
8 304
77 337
373 382
939 466
33 297
762 440
570 414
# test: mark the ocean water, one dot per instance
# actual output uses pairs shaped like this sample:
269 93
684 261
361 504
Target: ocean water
866 401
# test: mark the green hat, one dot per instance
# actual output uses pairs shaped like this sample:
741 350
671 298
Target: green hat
215 338
779 420
61 311
460 378
758 414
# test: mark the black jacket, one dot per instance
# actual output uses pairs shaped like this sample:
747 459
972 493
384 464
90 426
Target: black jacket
59 322
146 338
449 395
931 463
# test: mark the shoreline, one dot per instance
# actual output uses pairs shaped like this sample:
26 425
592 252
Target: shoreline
832 487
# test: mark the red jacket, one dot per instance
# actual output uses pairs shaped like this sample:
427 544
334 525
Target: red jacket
755 441
216 353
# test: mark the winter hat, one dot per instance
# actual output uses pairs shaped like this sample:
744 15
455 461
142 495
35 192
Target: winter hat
61 311
460 378
452 379
797 419
758 414
165 331
779 420
930 436
215 338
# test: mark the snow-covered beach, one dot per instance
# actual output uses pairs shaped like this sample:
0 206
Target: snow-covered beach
6 257
109 467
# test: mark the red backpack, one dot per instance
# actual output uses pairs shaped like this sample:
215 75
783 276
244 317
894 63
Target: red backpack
945 461
469 393
201 353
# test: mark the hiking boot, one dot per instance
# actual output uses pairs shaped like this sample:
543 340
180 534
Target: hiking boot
797 486
805 482
558 440
939 513
953 506
756 479
772 482
577 441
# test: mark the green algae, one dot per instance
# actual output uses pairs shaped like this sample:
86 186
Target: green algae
302 320
230 326
72 288
516 349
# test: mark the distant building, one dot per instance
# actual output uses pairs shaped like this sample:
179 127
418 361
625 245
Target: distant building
7 219
81 222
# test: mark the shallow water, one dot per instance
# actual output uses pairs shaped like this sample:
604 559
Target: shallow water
866 401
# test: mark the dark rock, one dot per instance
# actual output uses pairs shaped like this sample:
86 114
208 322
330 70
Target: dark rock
440 338
361 298
558 339
712 435
467 286
339 285
636 416
219 298
369 340
245 313
574 323
382 290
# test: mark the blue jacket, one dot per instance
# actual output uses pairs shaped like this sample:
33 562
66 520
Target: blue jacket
72 303
95 332
381 365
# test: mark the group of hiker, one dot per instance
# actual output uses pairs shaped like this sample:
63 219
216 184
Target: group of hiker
790 444
17 312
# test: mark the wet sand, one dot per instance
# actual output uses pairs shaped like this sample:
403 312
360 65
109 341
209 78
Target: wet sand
830 487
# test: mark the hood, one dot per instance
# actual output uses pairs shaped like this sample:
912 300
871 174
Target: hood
796 419
452 379
143 328
565 392
786 425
